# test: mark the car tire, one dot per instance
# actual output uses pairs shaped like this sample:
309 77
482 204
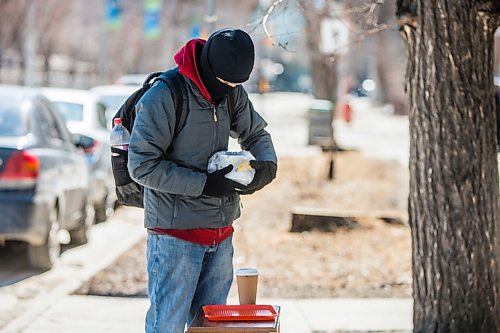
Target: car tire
104 209
45 255
79 236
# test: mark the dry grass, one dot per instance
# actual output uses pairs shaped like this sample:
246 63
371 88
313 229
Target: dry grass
371 261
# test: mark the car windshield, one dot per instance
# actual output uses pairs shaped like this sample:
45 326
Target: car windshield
13 121
113 102
70 111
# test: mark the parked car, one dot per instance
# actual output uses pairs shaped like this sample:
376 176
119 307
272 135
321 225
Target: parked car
113 96
132 79
43 176
84 114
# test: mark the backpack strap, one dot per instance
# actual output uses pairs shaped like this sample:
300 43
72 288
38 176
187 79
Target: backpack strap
177 87
173 78
151 79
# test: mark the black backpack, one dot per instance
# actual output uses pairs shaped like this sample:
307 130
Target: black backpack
128 192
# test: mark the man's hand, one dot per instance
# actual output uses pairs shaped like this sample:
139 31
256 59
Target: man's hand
217 185
265 173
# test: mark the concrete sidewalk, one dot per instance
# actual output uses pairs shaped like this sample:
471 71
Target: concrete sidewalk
116 314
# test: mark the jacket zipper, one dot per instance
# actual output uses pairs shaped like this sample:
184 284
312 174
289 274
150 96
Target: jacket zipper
176 205
215 126
221 206
221 202
215 113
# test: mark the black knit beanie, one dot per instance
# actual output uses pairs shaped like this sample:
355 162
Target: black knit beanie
228 54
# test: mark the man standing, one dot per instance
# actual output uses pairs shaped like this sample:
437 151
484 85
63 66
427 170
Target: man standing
189 213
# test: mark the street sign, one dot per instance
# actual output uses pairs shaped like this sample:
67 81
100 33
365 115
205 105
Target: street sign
195 31
113 17
334 36
152 15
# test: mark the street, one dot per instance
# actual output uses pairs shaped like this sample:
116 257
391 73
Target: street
25 292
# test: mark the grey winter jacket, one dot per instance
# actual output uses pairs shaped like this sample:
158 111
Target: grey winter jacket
173 170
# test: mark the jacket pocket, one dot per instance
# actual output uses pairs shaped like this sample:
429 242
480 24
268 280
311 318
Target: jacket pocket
197 212
232 207
176 206
119 159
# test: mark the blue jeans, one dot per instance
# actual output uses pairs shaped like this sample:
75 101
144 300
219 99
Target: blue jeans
182 277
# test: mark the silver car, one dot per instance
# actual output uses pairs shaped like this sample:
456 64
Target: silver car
43 176
84 114
113 96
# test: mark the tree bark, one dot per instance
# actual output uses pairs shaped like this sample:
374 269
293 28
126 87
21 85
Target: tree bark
323 66
389 65
454 199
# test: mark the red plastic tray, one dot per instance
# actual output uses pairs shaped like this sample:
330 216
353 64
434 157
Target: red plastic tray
245 312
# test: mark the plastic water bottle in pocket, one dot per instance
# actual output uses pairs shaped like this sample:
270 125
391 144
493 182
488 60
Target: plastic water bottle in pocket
119 137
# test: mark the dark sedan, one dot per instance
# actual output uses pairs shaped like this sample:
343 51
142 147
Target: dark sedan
43 176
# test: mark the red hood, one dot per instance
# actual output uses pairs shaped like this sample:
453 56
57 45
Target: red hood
186 60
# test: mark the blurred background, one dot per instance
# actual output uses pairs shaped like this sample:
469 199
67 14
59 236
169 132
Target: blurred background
329 79
312 46
315 46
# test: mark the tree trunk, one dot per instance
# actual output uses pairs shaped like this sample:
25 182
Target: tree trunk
389 65
46 70
454 200
323 66
324 77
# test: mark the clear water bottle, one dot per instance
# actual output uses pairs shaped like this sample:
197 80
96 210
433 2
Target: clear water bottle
119 137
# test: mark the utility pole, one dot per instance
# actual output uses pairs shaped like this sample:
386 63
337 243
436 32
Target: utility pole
102 63
210 17
30 44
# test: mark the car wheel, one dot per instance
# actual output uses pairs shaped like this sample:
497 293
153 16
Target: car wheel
79 236
45 255
105 209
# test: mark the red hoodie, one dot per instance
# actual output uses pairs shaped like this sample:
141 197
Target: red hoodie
186 60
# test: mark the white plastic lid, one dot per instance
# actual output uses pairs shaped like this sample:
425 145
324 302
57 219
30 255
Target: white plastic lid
247 272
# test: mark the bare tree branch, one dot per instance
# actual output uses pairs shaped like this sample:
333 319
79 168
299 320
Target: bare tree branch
264 24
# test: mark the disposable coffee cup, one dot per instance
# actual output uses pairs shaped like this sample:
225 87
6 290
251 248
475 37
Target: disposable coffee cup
246 279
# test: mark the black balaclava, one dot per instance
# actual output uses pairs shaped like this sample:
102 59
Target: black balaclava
228 54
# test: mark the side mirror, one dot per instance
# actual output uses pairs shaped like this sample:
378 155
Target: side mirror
101 115
85 142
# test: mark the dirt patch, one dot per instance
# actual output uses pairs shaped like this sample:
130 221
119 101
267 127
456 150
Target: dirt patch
373 260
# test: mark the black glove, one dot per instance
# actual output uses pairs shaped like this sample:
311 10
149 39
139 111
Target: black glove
218 186
265 172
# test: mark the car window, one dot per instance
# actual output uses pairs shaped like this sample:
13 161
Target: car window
50 125
13 122
62 130
113 102
101 114
47 123
70 111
